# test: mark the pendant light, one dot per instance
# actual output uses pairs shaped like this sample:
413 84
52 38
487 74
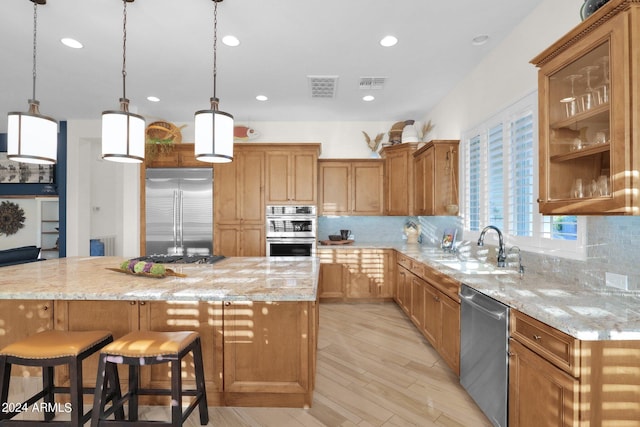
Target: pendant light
214 128
123 136
32 137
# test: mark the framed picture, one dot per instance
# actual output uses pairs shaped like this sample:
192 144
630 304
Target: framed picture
448 238
12 172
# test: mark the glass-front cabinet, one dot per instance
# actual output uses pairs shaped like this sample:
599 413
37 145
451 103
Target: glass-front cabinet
589 117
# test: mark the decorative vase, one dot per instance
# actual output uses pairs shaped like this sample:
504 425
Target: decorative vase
591 6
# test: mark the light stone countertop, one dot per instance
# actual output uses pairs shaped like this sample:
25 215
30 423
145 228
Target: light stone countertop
232 279
583 312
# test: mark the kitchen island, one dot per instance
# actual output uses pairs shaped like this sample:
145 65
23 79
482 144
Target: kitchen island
257 317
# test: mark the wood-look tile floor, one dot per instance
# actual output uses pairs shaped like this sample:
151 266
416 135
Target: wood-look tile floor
374 369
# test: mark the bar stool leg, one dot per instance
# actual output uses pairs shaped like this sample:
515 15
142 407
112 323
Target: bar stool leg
75 379
47 386
133 390
5 375
111 371
176 393
200 385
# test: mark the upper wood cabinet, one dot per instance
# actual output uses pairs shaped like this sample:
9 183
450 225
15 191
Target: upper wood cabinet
350 187
436 178
399 178
179 156
588 115
292 174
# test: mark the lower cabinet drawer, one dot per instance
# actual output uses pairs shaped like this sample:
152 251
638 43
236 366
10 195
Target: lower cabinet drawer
557 347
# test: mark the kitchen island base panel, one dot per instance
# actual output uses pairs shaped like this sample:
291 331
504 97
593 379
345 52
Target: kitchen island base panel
287 332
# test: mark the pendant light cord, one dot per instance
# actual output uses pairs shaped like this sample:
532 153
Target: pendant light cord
124 50
35 34
215 44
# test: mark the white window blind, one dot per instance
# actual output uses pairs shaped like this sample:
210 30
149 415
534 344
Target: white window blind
500 167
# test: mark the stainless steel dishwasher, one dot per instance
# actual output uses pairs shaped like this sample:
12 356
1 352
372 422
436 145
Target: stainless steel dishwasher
484 358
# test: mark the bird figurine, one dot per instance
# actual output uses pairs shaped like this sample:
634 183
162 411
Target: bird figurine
373 144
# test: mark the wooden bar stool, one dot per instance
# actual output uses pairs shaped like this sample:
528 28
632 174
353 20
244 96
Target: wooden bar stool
149 348
47 350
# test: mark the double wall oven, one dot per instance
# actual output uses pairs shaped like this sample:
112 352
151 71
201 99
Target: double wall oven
291 230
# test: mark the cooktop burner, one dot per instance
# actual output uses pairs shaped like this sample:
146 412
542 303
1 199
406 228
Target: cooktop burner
181 259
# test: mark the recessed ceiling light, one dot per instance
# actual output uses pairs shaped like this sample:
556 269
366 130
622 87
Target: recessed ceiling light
72 43
388 41
368 98
479 40
262 98
153 99
231 41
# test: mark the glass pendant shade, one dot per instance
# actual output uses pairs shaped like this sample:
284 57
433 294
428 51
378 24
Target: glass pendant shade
32 138
123 136
213 136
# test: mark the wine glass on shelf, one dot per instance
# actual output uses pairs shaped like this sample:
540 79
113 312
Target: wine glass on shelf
588 99
602 91
571 102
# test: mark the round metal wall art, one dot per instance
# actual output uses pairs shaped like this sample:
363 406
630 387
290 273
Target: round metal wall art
11 218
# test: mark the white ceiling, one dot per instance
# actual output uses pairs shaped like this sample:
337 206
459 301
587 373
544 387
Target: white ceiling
170 55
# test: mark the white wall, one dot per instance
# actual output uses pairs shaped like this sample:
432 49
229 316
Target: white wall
505 76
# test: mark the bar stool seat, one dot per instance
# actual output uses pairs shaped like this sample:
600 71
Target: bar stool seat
149 348
47 350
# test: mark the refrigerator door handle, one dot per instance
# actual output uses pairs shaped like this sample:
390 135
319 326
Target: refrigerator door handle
175 219
181 214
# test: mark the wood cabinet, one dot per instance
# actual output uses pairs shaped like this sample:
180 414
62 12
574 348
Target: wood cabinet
350 187
430 300
399 179
356 274
255 341
292 174
254 353
238 204
21 318
436 178
556 379
178 156
588 115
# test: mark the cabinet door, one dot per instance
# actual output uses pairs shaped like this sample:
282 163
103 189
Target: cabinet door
450 341
586 138
432 316
226 239
277 177
402 282
429 183
360 284
226 191
203 317
20 319
397 185
418 307
304 178
334 188
420 204
539 393
119 317
367 188
251 192
252 242
258 351
332 281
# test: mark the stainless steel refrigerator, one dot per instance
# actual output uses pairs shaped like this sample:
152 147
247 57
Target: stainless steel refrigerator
179 211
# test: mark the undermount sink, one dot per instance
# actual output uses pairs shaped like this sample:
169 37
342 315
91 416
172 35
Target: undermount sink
474 267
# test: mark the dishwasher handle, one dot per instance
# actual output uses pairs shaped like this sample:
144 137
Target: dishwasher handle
469 300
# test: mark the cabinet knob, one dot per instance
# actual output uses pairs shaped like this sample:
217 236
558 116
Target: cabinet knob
227 303
45 307
537 337
510 353
539 200
142 303
436 298
132 303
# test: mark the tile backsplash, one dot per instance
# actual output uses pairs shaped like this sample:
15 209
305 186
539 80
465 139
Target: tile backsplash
613 245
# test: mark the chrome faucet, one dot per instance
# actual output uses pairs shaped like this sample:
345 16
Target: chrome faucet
502 256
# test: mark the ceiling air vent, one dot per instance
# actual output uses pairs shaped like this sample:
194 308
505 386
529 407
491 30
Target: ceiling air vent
369 83
323 86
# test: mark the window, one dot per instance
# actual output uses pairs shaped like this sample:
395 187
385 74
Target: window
500 185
